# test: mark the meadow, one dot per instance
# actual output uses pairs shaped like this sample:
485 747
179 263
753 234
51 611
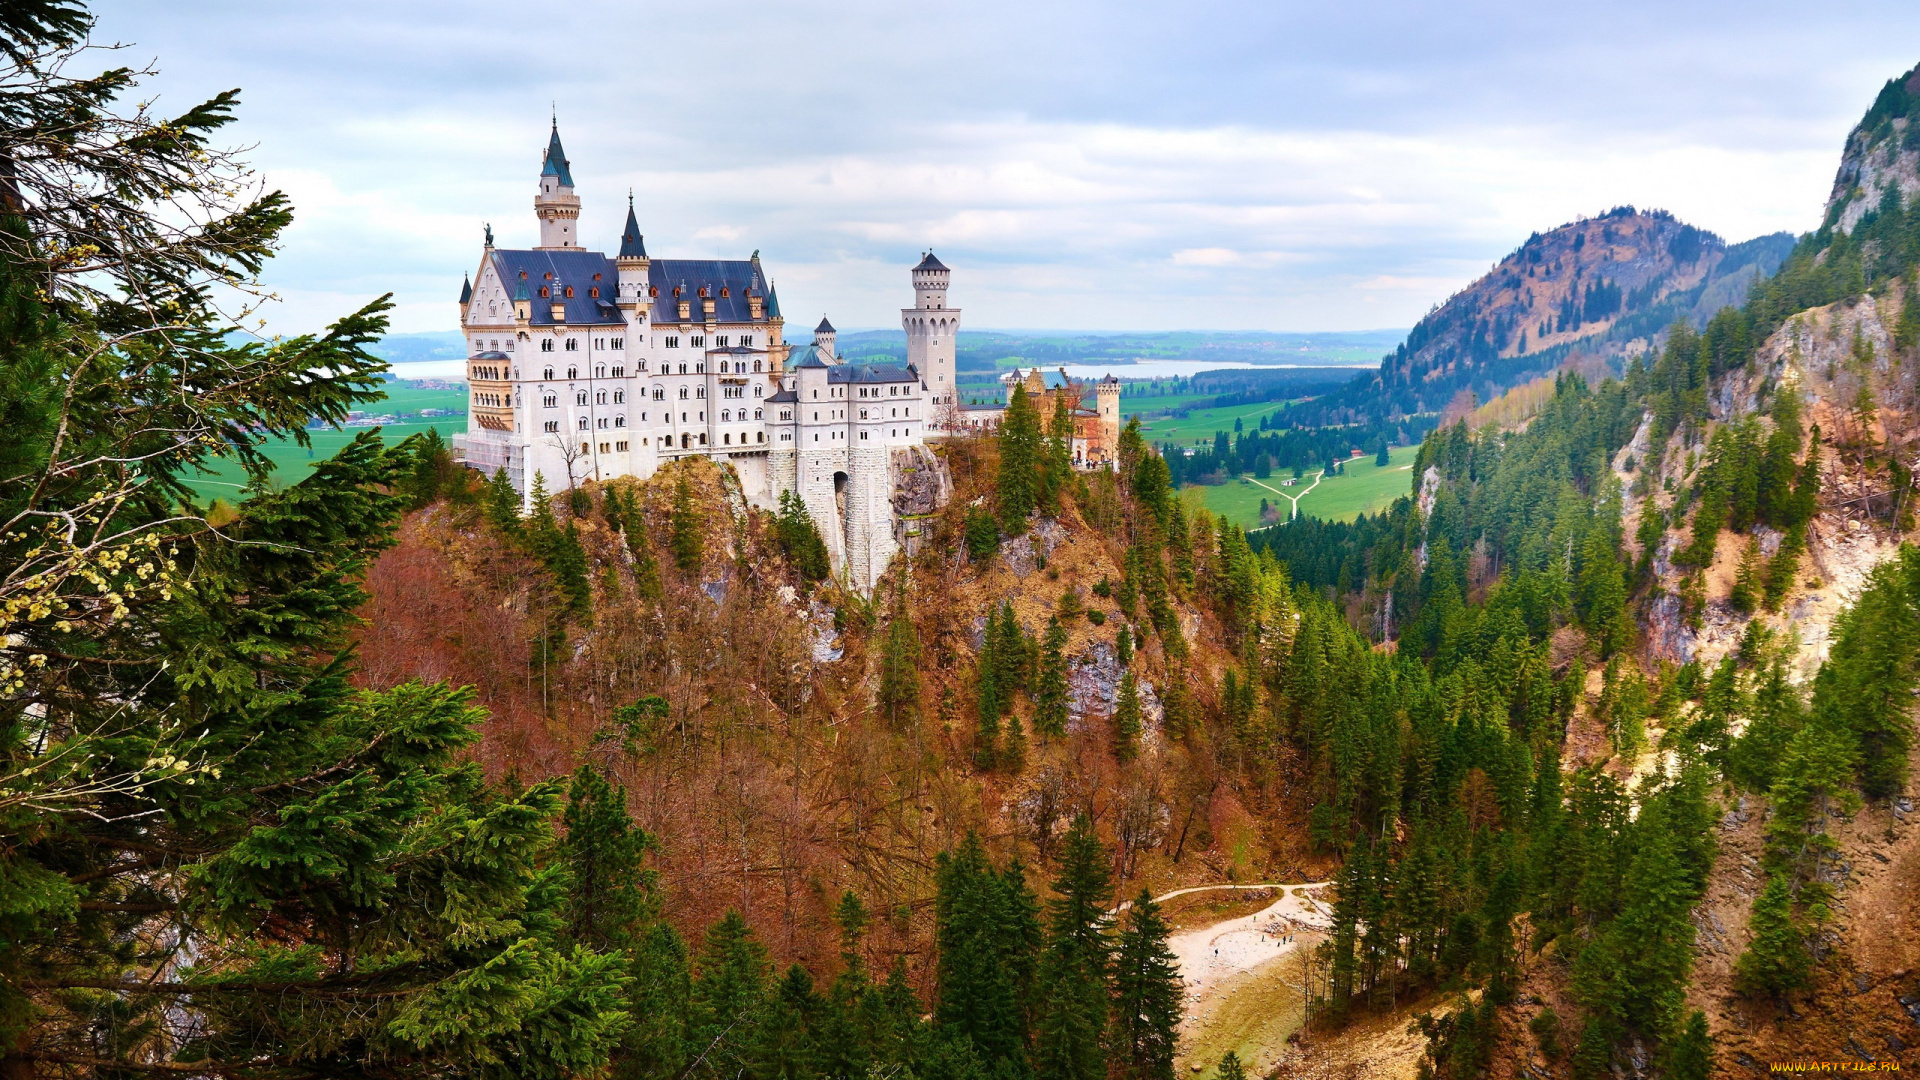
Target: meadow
1364 488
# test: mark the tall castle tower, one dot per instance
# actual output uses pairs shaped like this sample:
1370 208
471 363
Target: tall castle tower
1106 394
557 205
931 328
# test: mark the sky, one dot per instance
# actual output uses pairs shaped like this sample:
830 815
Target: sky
1112 166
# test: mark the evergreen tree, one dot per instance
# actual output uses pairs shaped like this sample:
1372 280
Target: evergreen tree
632 517
222 858
684 526
1147 992
1127 719
1051 692
729 1001
1690 1057
1123 647
659 1000
1071 1027
984 938
1017 492
503 504
1747 587
610 894
1230 1068
1056 455
1776 961
982 533
899 696
800 539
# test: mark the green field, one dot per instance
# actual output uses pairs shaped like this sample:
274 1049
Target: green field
1365 488
1200 424
403 402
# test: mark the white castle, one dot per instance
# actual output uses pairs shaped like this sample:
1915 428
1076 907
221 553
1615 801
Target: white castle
586 368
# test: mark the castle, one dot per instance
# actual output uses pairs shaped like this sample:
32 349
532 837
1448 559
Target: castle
1096 431
586 368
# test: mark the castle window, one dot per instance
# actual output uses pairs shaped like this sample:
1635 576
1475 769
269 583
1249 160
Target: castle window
600 398
756 414
786 414
759 436
617 343
683 369
551 401
726 415
600 371
721 341
621 447
618 371
548 373
756 366
546 345
573 373
699 341
703 439
509 347
580 398
603 423
619 396
553 426
700 368
729 440
673 341
816 397
619 421
583 423
573 344
756 389
746 342
683 393
659 393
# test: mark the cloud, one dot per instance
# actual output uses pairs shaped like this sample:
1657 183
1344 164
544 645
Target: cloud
1232 165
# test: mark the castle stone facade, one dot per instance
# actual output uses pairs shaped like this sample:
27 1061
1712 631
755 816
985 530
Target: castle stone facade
583 367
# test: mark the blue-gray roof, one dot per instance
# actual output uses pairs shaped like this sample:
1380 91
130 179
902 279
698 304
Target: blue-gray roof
872 373
584 270
466 289
807 356
825 327
779 396
726 281
555 163
931 263
632 244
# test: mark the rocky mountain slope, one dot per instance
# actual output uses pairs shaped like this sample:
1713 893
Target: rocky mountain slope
1880 155
1605 285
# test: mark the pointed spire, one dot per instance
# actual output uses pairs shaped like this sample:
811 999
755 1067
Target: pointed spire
632 244
555 163
773 301
466 289
825 327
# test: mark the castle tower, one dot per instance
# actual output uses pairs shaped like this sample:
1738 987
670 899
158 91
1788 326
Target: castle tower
823 336
931 328
557 206
1106 395
632 264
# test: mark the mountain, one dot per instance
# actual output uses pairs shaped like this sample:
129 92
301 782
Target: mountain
1606 285
1881 156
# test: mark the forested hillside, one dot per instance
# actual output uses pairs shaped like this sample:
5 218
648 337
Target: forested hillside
1597 747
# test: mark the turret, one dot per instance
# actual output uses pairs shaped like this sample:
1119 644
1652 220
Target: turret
823 336
466 297
931 328
632 262
557 206
1106 394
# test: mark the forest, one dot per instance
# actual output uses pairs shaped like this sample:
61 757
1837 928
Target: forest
373 775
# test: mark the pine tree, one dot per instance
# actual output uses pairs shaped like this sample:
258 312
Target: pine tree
1123 647
899 695
800 539
1071 1028
684 526
646 569
239 863
729 999
1017 491
1776 961
610 895
982 533
503 504
1691 1055
1051 692
1180 543
1056 455
988 708
1747 588
1230 1068
659 999
1147 992
1126 719
984 954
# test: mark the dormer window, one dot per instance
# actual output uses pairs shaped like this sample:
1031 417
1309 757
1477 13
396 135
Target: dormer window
652 290
543 292
723 292
593 292
548 276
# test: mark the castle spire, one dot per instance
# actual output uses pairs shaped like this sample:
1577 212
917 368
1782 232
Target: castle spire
632 244
557 206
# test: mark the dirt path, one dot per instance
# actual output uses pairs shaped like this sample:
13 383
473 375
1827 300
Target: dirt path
1295 498
1243 979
